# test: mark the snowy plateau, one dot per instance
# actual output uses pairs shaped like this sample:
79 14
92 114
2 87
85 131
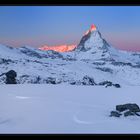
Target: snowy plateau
65 109
61 92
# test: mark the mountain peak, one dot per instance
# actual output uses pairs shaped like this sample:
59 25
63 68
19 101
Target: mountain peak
92 28
92 39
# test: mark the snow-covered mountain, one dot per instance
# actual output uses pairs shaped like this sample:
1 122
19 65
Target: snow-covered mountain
94 46
93 58
59 48
92 40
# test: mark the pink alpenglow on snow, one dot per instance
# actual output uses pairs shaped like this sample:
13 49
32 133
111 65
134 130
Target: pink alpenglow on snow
92 28
59 48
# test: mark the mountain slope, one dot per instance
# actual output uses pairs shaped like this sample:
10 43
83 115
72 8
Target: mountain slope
92 40
93 58
93 46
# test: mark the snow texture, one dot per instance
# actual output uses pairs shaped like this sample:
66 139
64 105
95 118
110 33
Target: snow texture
66 109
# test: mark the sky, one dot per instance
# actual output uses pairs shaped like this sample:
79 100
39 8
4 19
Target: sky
56 25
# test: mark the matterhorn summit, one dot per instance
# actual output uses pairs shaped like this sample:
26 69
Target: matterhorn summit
92 39
92 28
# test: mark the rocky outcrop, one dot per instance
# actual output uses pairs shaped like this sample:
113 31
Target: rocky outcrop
115 114
88 81
129 113
51 80
11 77
130 109
109 83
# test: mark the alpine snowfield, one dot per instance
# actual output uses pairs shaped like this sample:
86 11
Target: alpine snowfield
60 109
69 92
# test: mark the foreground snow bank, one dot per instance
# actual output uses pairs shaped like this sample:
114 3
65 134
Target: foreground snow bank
66 109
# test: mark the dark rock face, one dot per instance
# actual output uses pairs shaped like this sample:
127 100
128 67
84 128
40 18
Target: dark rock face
125 64
130 110
121 63
117 85
73 83
115 114
99 63
6 61
121 108
51 80
88 81
104 69
133 107
130 107
11 77
129 113
108 83
82 42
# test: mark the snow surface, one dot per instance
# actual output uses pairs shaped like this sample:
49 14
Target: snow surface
33 63
61 109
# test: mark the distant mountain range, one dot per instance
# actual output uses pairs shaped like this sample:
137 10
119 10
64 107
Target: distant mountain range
59 48
92 59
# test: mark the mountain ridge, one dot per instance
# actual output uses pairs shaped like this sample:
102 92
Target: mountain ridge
93 58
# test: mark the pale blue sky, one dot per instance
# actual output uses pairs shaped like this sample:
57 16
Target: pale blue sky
56 25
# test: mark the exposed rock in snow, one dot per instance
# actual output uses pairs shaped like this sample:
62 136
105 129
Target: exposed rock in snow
115 114
129 109
11 77
129 106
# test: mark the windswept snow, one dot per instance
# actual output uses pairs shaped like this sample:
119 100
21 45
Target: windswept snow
61 109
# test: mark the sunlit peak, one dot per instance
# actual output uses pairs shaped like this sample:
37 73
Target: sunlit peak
58 48
92 28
